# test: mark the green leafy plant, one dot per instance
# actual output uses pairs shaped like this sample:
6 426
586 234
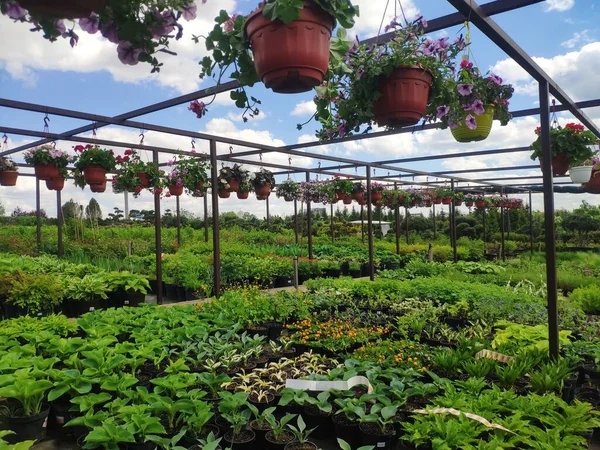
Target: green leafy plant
572 140
26 390
299 430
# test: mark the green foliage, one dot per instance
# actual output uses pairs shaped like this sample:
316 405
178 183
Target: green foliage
588 298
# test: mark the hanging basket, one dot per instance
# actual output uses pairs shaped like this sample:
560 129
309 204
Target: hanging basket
362 202
458 203
403 98
446 201
243 195
46 171
480 204
224 193
560 165
428 204
358 196
376 197
63 9
234 184
175 190
98 188
263 191
581 174
55 184
593 186
144 179
288 198
437 201
464 134
94 174
291 58
8 177
469 204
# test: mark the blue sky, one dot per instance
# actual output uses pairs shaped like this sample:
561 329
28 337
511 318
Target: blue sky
563 34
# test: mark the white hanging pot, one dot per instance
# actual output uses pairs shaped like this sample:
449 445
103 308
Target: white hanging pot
580 174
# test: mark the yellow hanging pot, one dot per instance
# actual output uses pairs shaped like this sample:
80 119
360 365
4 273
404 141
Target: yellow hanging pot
484 121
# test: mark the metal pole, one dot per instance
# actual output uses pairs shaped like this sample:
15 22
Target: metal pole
502 252
309 223
370 225
332 229
295 262
126 202
434 223
215 220
530 228
362 224
406 224
397 221
59 220
453 223
206 216
296 220
38 214
483 216
157 239
508 225
549 221
178 221
268 214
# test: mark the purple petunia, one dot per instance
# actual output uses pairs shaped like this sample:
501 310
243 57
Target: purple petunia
128 54
495 79
90 24
189 11
15 11
464 89
477 107
109 31
442 111
470 122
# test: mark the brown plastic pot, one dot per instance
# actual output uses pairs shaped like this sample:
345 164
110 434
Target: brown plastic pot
263 192
8 177
224 193
446 201
46 171
242 195
593 186
144 179
299 60
98 187
480 204
175 190
94 174
63 9
560 165
404 96
358 196
376 197
55 184
234 184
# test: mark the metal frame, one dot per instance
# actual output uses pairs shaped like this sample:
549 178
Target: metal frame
480 17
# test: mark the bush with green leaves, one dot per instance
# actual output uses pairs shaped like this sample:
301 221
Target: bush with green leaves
35 293
588 298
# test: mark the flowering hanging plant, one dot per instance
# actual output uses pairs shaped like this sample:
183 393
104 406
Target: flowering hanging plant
467 96
129 169
572 140
7 164
236 172
262 178
358 187
317 192
194 171
377 187
140 28
47 154
289 190
443 192
345 100
92 155
342 185
230 47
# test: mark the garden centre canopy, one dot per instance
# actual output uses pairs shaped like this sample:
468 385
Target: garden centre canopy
480 16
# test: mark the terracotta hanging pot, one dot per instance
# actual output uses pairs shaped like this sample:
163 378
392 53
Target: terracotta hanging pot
94 174
291 58
376 197
480 204
446 201
403 98
234 184
437 201
458 203
175 190
98 187
560 165
593 186
358 196
144 179
347 200
46 171
8 177
428 204
243 195
288 198
55 184
463 133
469 204
63 9
224 193
362 202
263 191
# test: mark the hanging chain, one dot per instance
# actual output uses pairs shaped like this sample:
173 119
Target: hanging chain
231 150
141 136
193 142
94 133
554 117
290 164
46 123
4 142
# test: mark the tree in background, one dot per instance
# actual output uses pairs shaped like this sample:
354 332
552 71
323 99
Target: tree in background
116 215
582 221
93 212
2 209
18 212
71 210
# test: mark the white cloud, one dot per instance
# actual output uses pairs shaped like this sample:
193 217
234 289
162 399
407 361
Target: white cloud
371 13
579 37
23 53
559 5
307 108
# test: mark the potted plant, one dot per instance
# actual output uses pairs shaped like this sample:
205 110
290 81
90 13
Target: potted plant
318 415
343 189
376 193
234 409
280 435
289 190
593 186
358 191
393 85
317 192
244 190
194 171
471 102
26 413
301 434
263 181
174 182
480 201
133 174
139 28
570 146
582 173
8 172
47 162
300 61
94 162
234 176
459 197
470 200
224 189
377 427
444 194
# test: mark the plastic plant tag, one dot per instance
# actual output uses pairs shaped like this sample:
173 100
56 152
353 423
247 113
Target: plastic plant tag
313 385
494 355
91 309
126 302
456 412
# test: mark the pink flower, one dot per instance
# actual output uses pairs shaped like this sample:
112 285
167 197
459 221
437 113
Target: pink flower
229 25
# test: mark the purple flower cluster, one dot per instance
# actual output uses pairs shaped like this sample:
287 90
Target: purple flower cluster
198 108
315 192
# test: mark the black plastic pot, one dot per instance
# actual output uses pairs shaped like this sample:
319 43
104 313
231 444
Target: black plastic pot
11 311
261 406
321 422
349 433
180 294
29 428
58 417
115 299
191 294
379 441
259 441
355 273
134 299
280 282
298 445
332 273
246 443
275 329
170 291
189 441
271 444
223 425
76 308
144 446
